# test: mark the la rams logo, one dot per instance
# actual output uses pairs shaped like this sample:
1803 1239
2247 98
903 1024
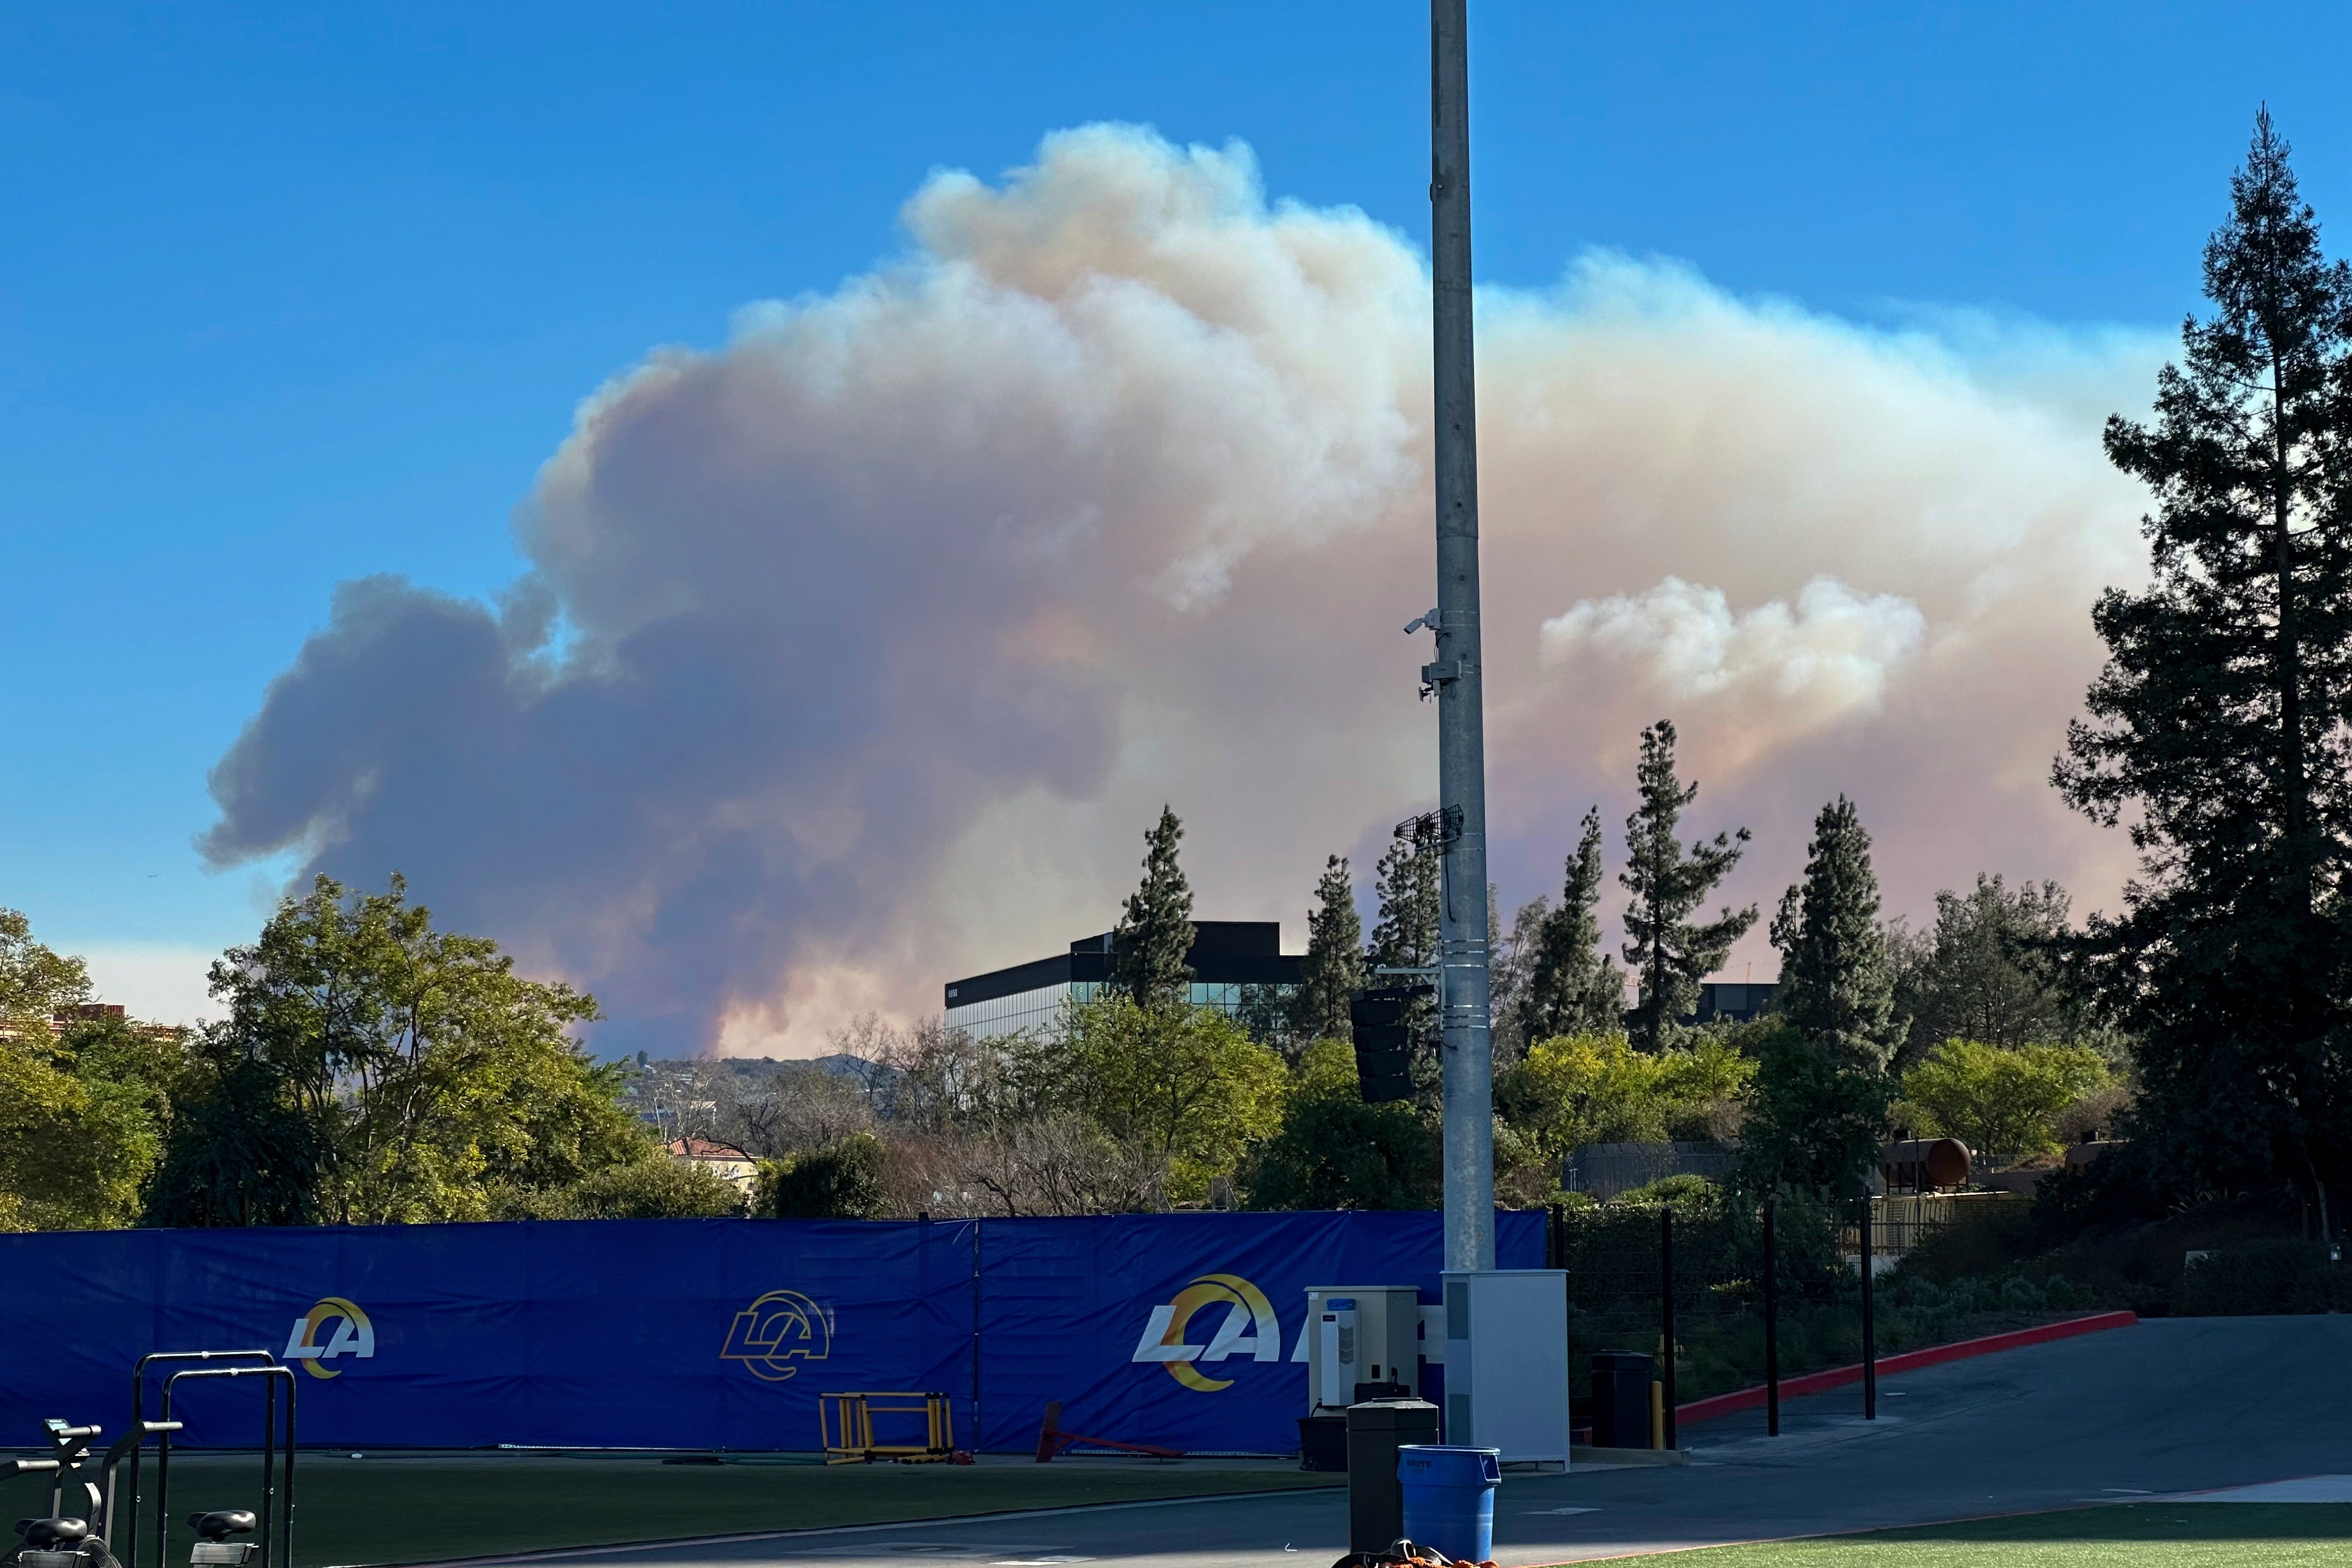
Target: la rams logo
1248 1328
354 1335
780 1328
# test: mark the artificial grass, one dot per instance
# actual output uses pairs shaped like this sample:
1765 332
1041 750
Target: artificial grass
2132 1535
417 1509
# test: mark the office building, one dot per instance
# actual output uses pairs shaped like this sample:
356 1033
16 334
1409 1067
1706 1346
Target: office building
1228 958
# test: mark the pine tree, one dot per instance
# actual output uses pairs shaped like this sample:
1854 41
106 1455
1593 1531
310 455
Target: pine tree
2217 724
1818 1106
1155 932
1405 937
1663 949
1572 987
1837 983
1510 964
1334 964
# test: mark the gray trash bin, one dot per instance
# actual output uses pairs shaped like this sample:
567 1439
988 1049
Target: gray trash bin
1376 1429
1620 1405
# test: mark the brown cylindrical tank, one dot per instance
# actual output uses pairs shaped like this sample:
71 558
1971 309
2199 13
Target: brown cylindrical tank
1924 1163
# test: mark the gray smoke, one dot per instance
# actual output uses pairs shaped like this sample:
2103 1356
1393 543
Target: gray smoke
858 654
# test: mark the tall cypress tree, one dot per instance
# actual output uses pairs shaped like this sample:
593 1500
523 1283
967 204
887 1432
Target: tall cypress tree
1818 1106
1334 964
1669 954
2219 721
1572 987
1155 932
1837 980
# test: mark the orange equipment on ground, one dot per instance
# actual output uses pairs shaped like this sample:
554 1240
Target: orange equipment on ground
1052 1440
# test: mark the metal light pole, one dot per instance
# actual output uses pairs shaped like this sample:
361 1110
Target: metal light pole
1455 674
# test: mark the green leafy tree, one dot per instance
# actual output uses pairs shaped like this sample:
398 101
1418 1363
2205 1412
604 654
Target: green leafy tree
36 982
1572 987
1334 1151
1334 964
83 1099
2218 725
1155 932
2001 1101
425 1071
1188 1086
1575 1090
1669 954
71 1153
1989 969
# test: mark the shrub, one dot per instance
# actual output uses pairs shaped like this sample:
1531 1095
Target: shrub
654 1188
843 1180
2284 1275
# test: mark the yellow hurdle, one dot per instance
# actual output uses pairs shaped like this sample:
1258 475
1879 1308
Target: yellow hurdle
846 1424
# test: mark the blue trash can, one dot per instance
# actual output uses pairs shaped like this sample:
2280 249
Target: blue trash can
1449 1498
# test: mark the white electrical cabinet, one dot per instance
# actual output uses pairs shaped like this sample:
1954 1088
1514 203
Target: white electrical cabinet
1506 1363
1359 1333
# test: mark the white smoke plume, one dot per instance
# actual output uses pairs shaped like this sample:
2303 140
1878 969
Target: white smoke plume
858 654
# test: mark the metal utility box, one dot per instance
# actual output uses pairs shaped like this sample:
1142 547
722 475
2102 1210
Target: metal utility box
1360 1334
1506 1363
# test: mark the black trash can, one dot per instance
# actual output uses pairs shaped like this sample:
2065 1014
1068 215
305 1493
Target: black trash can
1376 1429
1620 1405
1323 1443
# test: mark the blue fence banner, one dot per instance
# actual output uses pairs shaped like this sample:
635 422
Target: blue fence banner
1182 1330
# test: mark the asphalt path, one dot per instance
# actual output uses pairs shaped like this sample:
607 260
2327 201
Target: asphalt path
2168 1406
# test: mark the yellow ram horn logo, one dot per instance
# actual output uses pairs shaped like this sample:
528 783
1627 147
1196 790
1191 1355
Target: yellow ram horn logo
1249 1327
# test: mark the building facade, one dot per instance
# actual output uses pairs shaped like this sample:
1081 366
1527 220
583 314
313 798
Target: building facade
1228 959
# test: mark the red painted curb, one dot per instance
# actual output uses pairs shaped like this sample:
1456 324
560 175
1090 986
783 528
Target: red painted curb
1909 1360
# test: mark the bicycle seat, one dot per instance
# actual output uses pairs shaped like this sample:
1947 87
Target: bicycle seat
43 1534
221 1525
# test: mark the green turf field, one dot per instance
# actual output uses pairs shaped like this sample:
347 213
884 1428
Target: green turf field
2136 1535
404 1508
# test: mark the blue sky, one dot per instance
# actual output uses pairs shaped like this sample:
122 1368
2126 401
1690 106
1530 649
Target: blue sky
291 296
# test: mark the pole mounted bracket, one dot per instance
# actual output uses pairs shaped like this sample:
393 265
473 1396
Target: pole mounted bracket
1433 829
1438 673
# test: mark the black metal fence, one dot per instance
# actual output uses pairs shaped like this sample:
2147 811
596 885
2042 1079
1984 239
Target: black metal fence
1686 1265
1640 1271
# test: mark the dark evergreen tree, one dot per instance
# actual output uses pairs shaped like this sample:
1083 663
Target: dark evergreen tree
1148 950
1666 952
1334 964
1405 937
1813 1123
1572 987
2219 724
1818 1106
1837 985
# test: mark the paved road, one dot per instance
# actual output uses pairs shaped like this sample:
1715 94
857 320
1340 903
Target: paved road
2177 1405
